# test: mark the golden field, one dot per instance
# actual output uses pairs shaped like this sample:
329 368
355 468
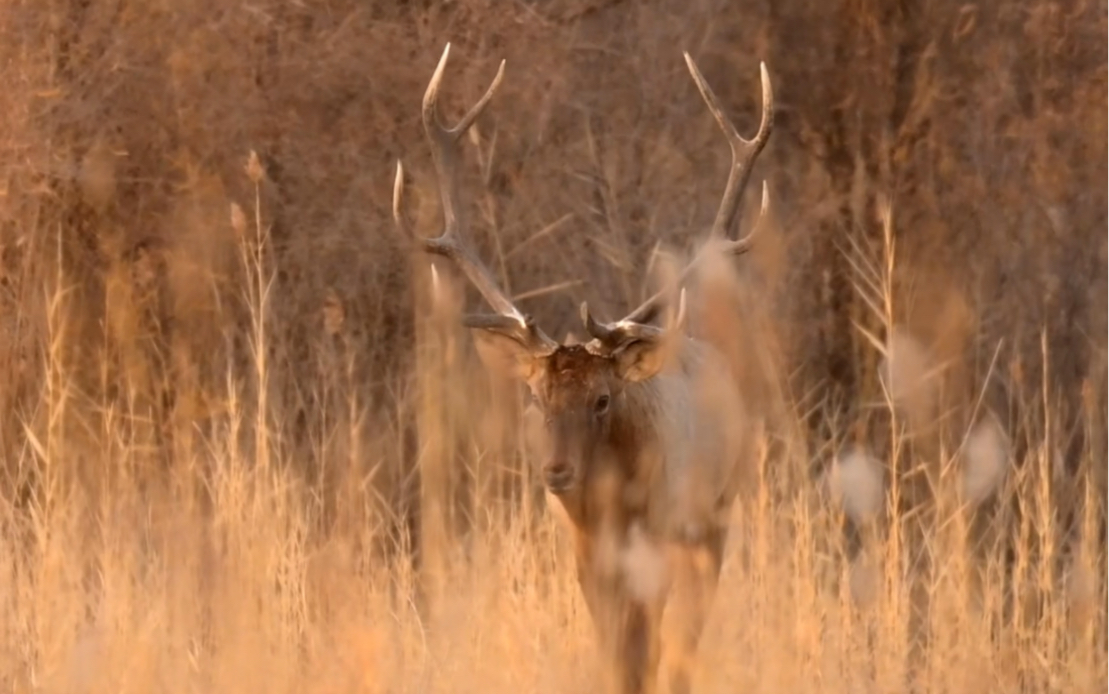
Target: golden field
244 449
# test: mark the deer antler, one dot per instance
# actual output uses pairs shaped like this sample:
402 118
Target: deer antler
451 244
744 153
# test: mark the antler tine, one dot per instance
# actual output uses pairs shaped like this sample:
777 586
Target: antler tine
648 310
398 196
614 335
451 243
744 152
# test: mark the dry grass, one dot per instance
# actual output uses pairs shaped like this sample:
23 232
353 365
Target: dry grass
243 450
218 577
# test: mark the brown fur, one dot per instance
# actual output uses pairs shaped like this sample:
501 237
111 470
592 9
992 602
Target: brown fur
654 479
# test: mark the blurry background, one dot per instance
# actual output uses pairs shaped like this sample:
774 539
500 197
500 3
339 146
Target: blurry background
246 438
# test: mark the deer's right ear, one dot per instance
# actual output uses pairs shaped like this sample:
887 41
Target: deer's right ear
504 355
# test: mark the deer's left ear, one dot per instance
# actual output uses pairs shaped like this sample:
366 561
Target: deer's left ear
644 359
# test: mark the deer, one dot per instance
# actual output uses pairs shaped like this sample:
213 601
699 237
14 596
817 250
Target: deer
643 453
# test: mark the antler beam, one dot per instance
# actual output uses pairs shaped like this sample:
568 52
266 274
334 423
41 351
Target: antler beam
452 244
744 153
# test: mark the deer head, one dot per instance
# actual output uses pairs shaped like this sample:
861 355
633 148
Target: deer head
582 390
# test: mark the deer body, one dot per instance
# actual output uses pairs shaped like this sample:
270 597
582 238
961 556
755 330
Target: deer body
654 491
641 429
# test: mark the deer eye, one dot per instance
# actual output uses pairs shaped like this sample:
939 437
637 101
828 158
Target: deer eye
601 406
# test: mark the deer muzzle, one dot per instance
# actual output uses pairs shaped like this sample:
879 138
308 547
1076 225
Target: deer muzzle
558 475
570 439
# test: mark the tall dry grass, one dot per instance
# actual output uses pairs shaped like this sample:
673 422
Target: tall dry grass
244 449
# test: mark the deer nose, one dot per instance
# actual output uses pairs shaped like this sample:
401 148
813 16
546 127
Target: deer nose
559 475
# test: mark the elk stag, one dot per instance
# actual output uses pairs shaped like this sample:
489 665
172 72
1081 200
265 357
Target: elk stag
643 459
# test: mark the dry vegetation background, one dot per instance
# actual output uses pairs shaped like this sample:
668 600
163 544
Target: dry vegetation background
242 453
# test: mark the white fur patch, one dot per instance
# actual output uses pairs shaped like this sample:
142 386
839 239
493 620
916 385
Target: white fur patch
645 566
856 482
